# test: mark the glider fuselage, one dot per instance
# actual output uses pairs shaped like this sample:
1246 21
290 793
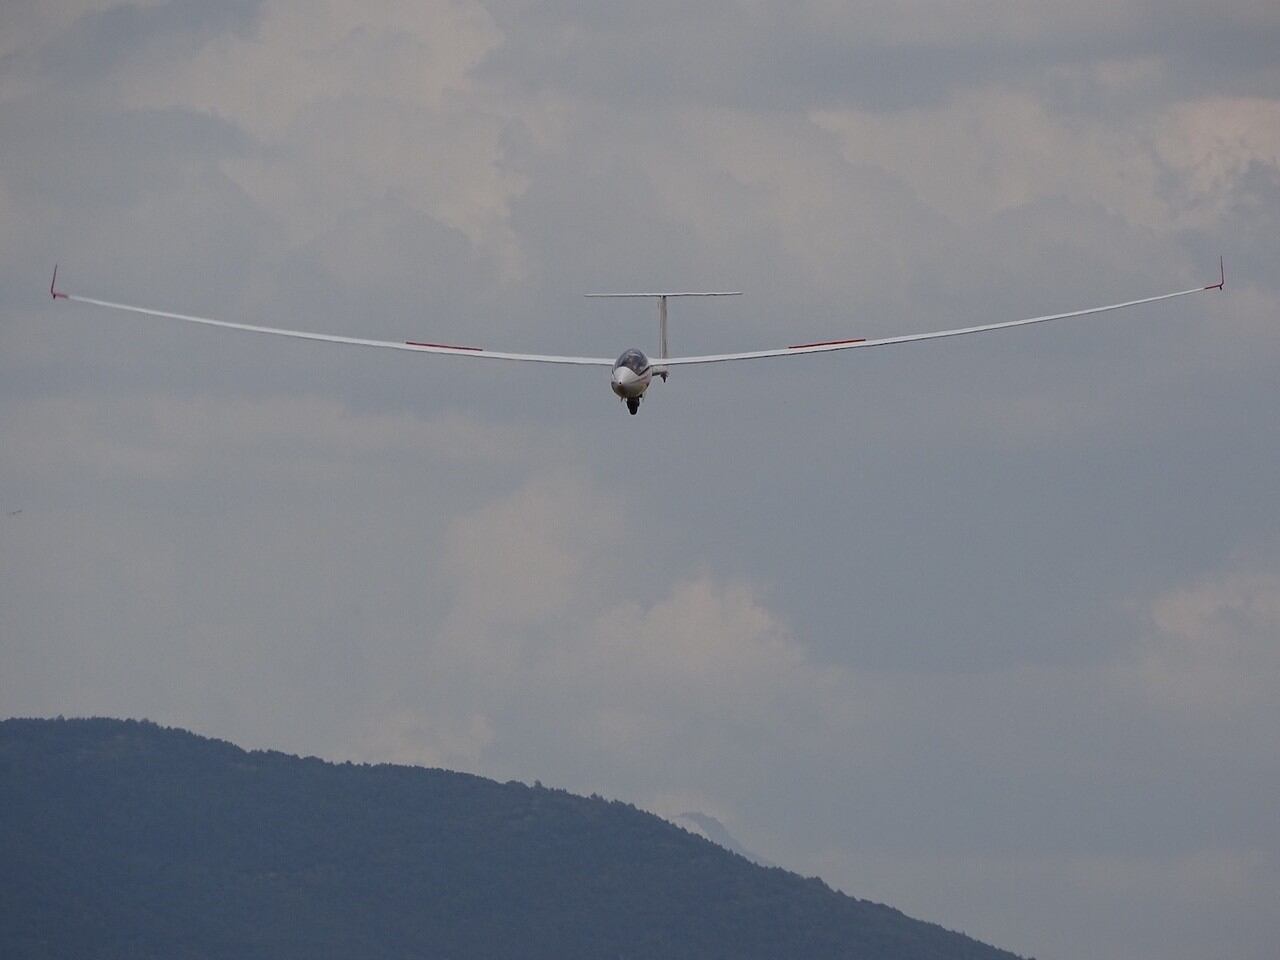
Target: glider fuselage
632 374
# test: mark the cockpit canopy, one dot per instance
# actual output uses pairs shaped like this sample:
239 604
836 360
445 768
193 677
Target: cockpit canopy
634 360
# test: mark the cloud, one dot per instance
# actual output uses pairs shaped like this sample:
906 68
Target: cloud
357 103
1172 169
706 662
876 54
177 439
529 556
1214 646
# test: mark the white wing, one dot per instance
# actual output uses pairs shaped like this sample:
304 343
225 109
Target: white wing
412 346
828 346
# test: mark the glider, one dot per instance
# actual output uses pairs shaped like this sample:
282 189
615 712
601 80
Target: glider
632 370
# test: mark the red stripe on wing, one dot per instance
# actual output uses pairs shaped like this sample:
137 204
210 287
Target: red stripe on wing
825 343
440 346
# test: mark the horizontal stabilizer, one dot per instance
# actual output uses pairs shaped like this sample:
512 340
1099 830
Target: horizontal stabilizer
685 293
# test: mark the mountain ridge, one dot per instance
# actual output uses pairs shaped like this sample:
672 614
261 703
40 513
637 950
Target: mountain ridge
122 838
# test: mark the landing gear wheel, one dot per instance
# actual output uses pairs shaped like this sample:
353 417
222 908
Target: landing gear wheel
633 405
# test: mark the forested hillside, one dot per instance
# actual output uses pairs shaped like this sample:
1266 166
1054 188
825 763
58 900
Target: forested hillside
121 839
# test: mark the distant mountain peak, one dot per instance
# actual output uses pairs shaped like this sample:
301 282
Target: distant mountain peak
708 827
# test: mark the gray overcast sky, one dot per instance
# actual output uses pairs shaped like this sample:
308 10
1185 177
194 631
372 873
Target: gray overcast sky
986 629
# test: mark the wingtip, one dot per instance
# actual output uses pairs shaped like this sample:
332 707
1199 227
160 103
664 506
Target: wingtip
1222 277
53 286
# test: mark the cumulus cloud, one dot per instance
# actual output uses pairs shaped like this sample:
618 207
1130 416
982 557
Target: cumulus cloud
992 150
355 104
542 644
1214 647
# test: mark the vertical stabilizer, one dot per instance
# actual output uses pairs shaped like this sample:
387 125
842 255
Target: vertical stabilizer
662 334
661 296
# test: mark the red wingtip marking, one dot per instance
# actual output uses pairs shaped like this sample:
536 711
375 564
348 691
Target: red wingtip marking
825 343
440 346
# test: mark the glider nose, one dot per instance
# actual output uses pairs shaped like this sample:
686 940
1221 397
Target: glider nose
623 381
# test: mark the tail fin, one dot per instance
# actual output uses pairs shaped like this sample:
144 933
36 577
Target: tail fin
661 297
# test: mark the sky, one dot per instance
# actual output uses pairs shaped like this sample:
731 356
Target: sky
987 629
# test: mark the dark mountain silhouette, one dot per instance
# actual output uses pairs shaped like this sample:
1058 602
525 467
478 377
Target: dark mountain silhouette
121 839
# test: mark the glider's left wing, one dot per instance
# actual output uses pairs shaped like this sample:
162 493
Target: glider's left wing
413 346
828 346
